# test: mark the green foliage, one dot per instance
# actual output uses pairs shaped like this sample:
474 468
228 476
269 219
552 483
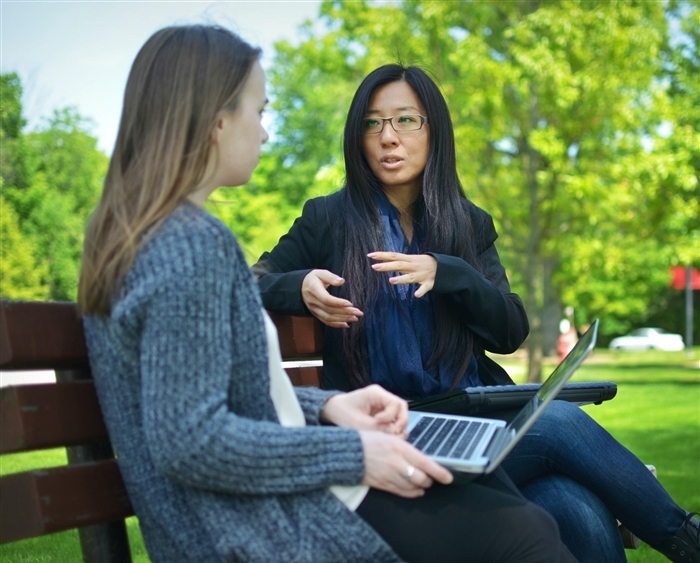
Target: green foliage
256 218
577 126
22 276
558 110
12 156
11 106
681 187
51 181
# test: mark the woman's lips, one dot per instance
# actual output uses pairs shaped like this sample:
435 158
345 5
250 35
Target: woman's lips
391 163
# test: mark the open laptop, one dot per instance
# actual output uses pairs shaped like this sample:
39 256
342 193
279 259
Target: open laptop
478 445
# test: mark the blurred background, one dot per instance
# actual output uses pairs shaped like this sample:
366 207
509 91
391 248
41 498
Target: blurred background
577 126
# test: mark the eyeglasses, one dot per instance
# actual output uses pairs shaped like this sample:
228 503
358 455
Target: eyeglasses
400 123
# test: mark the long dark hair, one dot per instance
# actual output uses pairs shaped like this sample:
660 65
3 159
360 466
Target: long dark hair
440 209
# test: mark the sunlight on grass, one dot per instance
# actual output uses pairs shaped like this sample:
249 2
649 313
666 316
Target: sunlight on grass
656 414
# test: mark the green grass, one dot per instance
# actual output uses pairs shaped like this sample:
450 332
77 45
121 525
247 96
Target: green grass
656 414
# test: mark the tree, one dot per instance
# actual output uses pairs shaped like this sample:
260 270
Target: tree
554 104
13 168
682 187
662 204
22 276
51 181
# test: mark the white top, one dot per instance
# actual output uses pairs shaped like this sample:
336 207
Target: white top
289 410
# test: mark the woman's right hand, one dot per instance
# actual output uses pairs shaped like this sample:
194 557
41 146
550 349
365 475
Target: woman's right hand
395 466
332 311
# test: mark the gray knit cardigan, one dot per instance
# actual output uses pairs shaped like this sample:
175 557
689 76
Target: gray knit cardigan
181 372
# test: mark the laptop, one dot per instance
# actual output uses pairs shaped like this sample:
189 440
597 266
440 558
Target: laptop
478 445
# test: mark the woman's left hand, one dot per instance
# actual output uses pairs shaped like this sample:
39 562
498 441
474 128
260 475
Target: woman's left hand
369 408
414 268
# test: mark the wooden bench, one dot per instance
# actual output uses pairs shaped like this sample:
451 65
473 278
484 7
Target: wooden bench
88 493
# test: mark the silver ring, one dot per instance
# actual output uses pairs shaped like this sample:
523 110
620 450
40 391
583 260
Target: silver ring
410 470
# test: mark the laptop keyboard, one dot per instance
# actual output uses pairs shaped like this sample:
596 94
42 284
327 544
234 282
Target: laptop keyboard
449 438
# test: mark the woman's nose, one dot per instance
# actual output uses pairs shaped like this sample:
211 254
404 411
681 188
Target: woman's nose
388 136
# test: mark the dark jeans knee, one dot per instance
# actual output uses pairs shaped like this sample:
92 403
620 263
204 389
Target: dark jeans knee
586 526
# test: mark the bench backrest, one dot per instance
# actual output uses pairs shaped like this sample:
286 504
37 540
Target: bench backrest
38 335
88 493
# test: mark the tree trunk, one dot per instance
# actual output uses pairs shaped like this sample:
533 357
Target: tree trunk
534 272
552 312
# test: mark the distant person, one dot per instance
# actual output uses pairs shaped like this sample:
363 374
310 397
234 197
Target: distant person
403 271
222 458
568 335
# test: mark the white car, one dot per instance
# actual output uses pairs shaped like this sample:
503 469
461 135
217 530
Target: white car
648 339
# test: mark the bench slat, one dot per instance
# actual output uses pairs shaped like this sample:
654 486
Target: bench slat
38 335
305 376
41 502
300 337
50 415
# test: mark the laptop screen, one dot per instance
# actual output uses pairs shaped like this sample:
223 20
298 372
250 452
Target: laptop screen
558 378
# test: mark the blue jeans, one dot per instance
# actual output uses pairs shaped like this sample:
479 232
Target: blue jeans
566 441
585 524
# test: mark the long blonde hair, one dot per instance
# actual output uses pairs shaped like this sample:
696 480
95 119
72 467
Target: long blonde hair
181 79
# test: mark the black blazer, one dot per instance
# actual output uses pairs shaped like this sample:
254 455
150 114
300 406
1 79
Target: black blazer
492 313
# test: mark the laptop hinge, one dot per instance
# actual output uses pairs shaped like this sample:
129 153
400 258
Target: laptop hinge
499 438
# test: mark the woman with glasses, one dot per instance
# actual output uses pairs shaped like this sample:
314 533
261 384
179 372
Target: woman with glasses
403 271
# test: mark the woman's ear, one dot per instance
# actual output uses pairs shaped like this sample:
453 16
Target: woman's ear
217 129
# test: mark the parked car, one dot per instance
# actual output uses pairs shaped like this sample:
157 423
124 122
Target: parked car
648 339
